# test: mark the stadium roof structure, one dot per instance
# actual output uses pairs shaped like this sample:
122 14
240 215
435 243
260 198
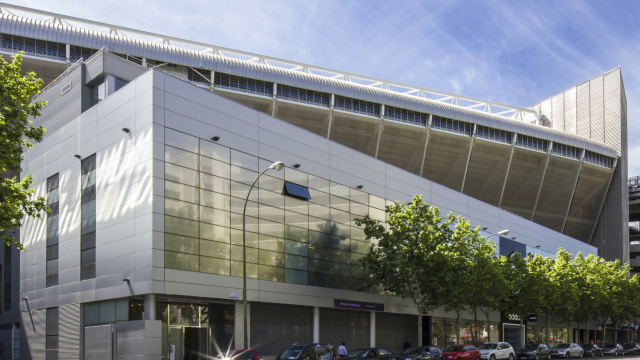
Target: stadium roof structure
553 163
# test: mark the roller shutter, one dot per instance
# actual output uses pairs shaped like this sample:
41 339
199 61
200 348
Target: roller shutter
275 327
337 326
393 329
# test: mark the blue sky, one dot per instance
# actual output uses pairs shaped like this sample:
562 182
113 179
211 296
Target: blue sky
512 52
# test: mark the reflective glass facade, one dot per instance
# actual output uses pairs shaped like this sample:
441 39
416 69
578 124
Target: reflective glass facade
289 239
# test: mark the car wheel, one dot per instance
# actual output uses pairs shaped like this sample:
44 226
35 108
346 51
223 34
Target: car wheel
566 355
593 354
510 356
549 356
493 357
537 357
580 355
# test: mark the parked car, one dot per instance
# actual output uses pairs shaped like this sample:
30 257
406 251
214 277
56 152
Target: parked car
592 350
249 354
534 351
421 353
308 352
461 352
497 351
567 350
612 349
631 349
371 353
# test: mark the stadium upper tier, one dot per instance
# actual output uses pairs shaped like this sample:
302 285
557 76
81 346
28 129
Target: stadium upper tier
507 157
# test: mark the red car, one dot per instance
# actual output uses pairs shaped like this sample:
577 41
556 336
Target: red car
461 352
245 355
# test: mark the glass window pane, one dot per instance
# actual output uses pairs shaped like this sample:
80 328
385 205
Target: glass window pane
340 216
319 252
271 258
340 269
271 228
339 242
339 190
215 266
317 279
88 271
340 256
214 232
88 256
179 261
236 238
244 160
180 157
377 214
340 282
215 200
236 269
319 238
88 241
270 273
318 183
270 243
122 310
53 196
215 151
296 205
215 183
181 244
318 197
359 247
107 312
270 183
181 140
252 254
296 262
87 164
88 209
180 192
295 233
88 225
319 266
243 175
319 211
52 266
237 206
295 190
181 175
376 202
270 198
359 210
53 182
296 277
239 190
296 219
359 196
215 249
271 213
214 216
215 167
179 226
88 194
339 203
181 209
296 177
357 233
92 314
296 248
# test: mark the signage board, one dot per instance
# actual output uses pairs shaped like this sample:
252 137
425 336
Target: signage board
357 305
532 318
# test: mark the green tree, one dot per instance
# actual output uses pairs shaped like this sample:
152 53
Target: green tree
16 134
615 276
412 259
592 281
564 276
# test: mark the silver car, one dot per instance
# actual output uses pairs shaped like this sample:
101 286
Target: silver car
497 351
567 350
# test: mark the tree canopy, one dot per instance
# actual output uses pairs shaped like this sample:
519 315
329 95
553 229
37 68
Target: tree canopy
17 133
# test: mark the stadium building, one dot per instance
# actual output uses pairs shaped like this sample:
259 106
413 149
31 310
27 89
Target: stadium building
151 147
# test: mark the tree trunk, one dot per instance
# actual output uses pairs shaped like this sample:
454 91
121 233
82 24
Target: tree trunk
548 328
604 330
569 332
588 340
420 311
488 328
458 327
615 332
475 327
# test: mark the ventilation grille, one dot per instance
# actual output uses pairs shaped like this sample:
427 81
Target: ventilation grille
404 115
566 151
533 143
243 84
79 52
41 48
598 159
494 134
293 93
450 125
357 106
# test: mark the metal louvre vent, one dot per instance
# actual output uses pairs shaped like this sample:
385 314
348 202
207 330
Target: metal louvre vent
402 146
243 84
494 134
134 59
357 132
566 151
404 115
297 94
450 125
590 191
314 119
523 181
446 160
393 329
487 170
42 48
337 326
79 52
275 327
530 142
356 106
556 193
598 159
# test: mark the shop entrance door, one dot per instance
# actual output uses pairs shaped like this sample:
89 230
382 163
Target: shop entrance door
513 334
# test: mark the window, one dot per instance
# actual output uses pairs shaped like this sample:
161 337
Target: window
303 95
88 218
296 190
356 106
243 84
404 115
450 125
531 142
565 150
7 278
98 92
53 233
494 134
52 327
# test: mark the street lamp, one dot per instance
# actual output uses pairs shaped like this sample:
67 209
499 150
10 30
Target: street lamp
277 166
501 232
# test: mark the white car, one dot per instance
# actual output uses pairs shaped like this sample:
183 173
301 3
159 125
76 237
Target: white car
497 351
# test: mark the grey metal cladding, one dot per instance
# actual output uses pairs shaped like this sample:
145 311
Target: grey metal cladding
69 331
557 107
121 68
66 107
96 40
94 67
570 111
612 109
583 122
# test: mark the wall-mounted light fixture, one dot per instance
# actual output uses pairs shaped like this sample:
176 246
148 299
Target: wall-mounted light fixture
296 165
77 156
359 186
215 138
126 130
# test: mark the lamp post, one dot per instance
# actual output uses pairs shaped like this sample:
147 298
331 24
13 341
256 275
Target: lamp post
501 232
277 166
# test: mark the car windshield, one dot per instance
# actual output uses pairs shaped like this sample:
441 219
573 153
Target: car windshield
488 346
291 353
531 347
453 349
358 353
562 346
587 347
610 345
412 350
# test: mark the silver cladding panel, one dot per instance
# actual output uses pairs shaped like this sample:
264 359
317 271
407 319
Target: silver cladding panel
98 342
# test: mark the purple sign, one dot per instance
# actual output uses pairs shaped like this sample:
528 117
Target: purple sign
348 304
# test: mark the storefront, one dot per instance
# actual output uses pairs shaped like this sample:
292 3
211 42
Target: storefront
443 332
512 331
